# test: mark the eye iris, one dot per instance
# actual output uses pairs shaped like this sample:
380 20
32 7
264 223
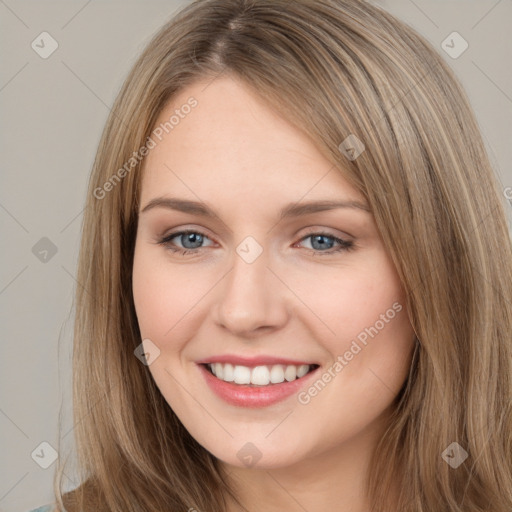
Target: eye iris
192 237
322 244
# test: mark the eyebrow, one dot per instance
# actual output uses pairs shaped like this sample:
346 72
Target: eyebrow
290 210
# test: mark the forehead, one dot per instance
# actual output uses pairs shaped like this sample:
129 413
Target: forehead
233 144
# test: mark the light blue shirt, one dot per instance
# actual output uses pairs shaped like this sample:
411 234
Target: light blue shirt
45 508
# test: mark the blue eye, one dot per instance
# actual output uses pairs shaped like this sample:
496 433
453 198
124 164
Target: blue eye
193 238
192 242
318 241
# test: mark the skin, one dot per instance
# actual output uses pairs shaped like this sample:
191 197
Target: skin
246 162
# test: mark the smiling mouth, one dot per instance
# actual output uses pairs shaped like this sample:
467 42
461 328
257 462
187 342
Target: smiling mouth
258 376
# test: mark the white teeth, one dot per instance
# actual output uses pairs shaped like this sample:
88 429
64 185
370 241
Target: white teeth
242 375
219 371
302 370
277 374
258 375
290 373
229 373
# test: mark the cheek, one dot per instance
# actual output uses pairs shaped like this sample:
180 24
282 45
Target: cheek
169 301
150 297
370 350
363 319
348 301
160 299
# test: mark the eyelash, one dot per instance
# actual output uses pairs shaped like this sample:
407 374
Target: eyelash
344 245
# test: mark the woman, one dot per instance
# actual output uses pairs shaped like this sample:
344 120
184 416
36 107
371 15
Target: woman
295 275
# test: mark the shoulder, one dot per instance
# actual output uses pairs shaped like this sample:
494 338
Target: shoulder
45 508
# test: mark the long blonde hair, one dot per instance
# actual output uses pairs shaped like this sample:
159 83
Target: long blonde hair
334 68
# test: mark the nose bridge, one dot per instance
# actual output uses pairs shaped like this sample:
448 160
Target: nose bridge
249 298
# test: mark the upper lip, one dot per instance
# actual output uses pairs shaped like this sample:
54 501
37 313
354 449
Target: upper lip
252 361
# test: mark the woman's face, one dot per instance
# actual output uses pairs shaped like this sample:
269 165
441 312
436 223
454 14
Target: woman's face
266 296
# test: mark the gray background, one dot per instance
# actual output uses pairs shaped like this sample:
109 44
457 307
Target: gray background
53 111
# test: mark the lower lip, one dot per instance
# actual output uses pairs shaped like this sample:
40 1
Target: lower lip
250 396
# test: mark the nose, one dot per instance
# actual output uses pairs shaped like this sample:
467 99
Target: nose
251 300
